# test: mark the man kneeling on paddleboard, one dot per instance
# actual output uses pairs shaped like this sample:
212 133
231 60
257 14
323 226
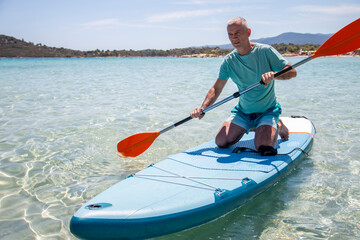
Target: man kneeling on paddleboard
258 109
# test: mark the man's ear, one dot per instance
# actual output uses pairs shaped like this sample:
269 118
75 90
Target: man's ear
249 31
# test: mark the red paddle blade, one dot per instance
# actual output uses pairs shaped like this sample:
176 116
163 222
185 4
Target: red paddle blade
345 40
136 144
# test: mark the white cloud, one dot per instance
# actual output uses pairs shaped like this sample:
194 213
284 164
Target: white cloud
111 22
333 10
114 23
192 2
207 2
186 14
266 23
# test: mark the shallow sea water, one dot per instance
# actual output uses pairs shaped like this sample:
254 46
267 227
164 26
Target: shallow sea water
60 121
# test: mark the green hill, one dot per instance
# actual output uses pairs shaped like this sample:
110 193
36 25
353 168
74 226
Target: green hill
12 47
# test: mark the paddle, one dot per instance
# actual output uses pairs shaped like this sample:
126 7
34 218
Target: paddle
345 40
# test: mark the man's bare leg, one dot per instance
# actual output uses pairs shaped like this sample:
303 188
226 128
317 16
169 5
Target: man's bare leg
283 130
229 134
265 135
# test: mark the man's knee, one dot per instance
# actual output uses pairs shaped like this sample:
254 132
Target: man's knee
228 135
226 141
221 142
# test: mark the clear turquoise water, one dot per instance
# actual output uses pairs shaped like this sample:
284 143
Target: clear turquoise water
60 121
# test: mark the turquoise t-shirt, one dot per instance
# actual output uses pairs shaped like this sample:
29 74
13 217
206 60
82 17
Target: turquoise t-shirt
246 70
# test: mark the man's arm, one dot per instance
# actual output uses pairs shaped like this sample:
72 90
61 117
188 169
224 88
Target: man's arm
290 74
210 98
269 76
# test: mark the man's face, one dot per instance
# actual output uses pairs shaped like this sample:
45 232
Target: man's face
238 34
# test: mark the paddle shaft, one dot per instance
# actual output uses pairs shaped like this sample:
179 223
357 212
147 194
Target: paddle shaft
236 95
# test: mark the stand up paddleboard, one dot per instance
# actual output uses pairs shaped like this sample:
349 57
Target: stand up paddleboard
190 188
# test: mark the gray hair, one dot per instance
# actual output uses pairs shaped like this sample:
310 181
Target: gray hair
238 20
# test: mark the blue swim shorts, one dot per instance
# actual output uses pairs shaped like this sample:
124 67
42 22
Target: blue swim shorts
255 120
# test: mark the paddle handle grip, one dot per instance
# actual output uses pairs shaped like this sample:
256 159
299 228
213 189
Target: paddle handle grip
279 73
285 70
182 121
235 95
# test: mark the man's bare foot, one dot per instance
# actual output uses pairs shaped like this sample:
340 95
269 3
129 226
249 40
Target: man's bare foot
283 130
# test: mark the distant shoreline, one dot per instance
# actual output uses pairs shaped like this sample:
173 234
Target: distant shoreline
186 56
11 47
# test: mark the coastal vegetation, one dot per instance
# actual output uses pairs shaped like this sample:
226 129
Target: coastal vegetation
11 47
295 48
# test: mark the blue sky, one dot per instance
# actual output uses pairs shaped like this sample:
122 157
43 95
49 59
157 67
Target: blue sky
164 24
